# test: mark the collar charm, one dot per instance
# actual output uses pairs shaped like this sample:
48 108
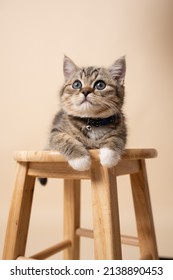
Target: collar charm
88 127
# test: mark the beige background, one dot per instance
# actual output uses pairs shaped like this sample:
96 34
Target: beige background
34 35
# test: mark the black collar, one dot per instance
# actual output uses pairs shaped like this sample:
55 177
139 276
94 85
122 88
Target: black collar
97 122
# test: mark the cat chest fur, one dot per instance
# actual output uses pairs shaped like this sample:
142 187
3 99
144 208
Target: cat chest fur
95 136
96 133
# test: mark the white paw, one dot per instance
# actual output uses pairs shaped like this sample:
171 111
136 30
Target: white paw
80 164
108 157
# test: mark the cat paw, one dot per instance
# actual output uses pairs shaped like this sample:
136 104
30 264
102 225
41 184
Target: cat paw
81 163
108 157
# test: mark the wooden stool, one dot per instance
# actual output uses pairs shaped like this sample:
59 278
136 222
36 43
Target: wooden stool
106 227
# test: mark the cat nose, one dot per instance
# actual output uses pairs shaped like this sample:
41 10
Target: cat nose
86 92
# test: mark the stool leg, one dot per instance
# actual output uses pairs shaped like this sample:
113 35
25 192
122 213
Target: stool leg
72 218
143 212
19 215
107 241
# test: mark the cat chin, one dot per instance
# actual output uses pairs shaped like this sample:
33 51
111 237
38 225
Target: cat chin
85 107
86 113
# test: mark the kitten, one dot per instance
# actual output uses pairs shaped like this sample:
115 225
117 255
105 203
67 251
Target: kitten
91 114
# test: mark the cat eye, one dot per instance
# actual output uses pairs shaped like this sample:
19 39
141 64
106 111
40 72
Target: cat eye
100 85
77 84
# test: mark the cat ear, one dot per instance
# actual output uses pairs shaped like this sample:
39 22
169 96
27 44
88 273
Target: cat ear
118 70
69 68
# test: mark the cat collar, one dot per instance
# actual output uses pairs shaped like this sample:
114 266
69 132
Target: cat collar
97 122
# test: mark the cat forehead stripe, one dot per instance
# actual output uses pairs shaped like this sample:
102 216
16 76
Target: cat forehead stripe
90 71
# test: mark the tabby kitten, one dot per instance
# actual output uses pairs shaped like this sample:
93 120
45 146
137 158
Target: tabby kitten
91 114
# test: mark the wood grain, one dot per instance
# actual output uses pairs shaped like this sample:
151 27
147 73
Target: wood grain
72 218
19 215
106 225
143 212
53 156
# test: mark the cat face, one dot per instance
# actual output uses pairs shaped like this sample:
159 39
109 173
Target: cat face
91 91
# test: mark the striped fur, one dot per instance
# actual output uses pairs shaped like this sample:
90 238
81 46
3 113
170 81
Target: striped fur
69 134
